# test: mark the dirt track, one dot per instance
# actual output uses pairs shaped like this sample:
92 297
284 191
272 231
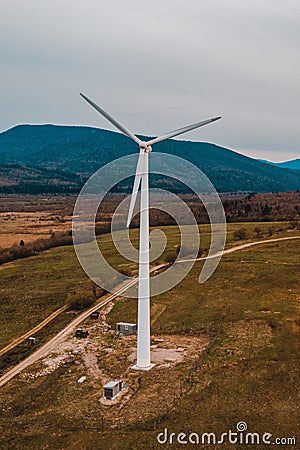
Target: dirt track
34 330
241 247
49 346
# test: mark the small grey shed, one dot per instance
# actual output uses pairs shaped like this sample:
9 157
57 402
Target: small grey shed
112 389
126 328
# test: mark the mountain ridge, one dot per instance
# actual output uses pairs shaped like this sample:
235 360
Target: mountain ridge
76 152
293 164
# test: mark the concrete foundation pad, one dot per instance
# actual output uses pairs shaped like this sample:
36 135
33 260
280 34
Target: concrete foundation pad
159 355
145 369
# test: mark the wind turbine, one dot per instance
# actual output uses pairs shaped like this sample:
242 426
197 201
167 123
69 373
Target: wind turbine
141 178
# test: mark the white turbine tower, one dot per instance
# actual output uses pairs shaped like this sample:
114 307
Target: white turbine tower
141 177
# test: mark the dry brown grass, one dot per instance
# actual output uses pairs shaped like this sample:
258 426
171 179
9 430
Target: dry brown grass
30 226
250 373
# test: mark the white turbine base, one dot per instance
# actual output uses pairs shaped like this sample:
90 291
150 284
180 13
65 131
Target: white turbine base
145 369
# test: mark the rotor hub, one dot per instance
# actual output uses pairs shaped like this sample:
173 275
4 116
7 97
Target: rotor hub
146 148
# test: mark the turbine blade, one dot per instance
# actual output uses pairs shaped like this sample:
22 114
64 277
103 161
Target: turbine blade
182 130
117 124
136 185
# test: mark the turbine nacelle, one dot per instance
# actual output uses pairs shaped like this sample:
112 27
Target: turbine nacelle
145 148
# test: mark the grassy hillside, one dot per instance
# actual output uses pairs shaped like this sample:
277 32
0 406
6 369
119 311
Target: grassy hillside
34 287
249 310
82 150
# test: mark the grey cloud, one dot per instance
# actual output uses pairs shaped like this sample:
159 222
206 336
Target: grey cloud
157 65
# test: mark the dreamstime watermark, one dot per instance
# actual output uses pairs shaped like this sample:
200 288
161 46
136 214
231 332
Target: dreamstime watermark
164 165
240 436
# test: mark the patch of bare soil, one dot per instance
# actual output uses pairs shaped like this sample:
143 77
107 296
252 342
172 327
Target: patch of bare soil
155 391
106 356
77 350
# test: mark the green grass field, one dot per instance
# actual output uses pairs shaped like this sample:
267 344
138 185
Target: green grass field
34 287
250 373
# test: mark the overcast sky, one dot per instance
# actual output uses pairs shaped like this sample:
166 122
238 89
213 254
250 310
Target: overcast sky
157 65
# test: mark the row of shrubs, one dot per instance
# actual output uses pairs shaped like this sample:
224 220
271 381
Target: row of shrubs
243 233
78 301
57 239
23 250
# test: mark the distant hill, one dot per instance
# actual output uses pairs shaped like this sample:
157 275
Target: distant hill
51 158
294 164
18 178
